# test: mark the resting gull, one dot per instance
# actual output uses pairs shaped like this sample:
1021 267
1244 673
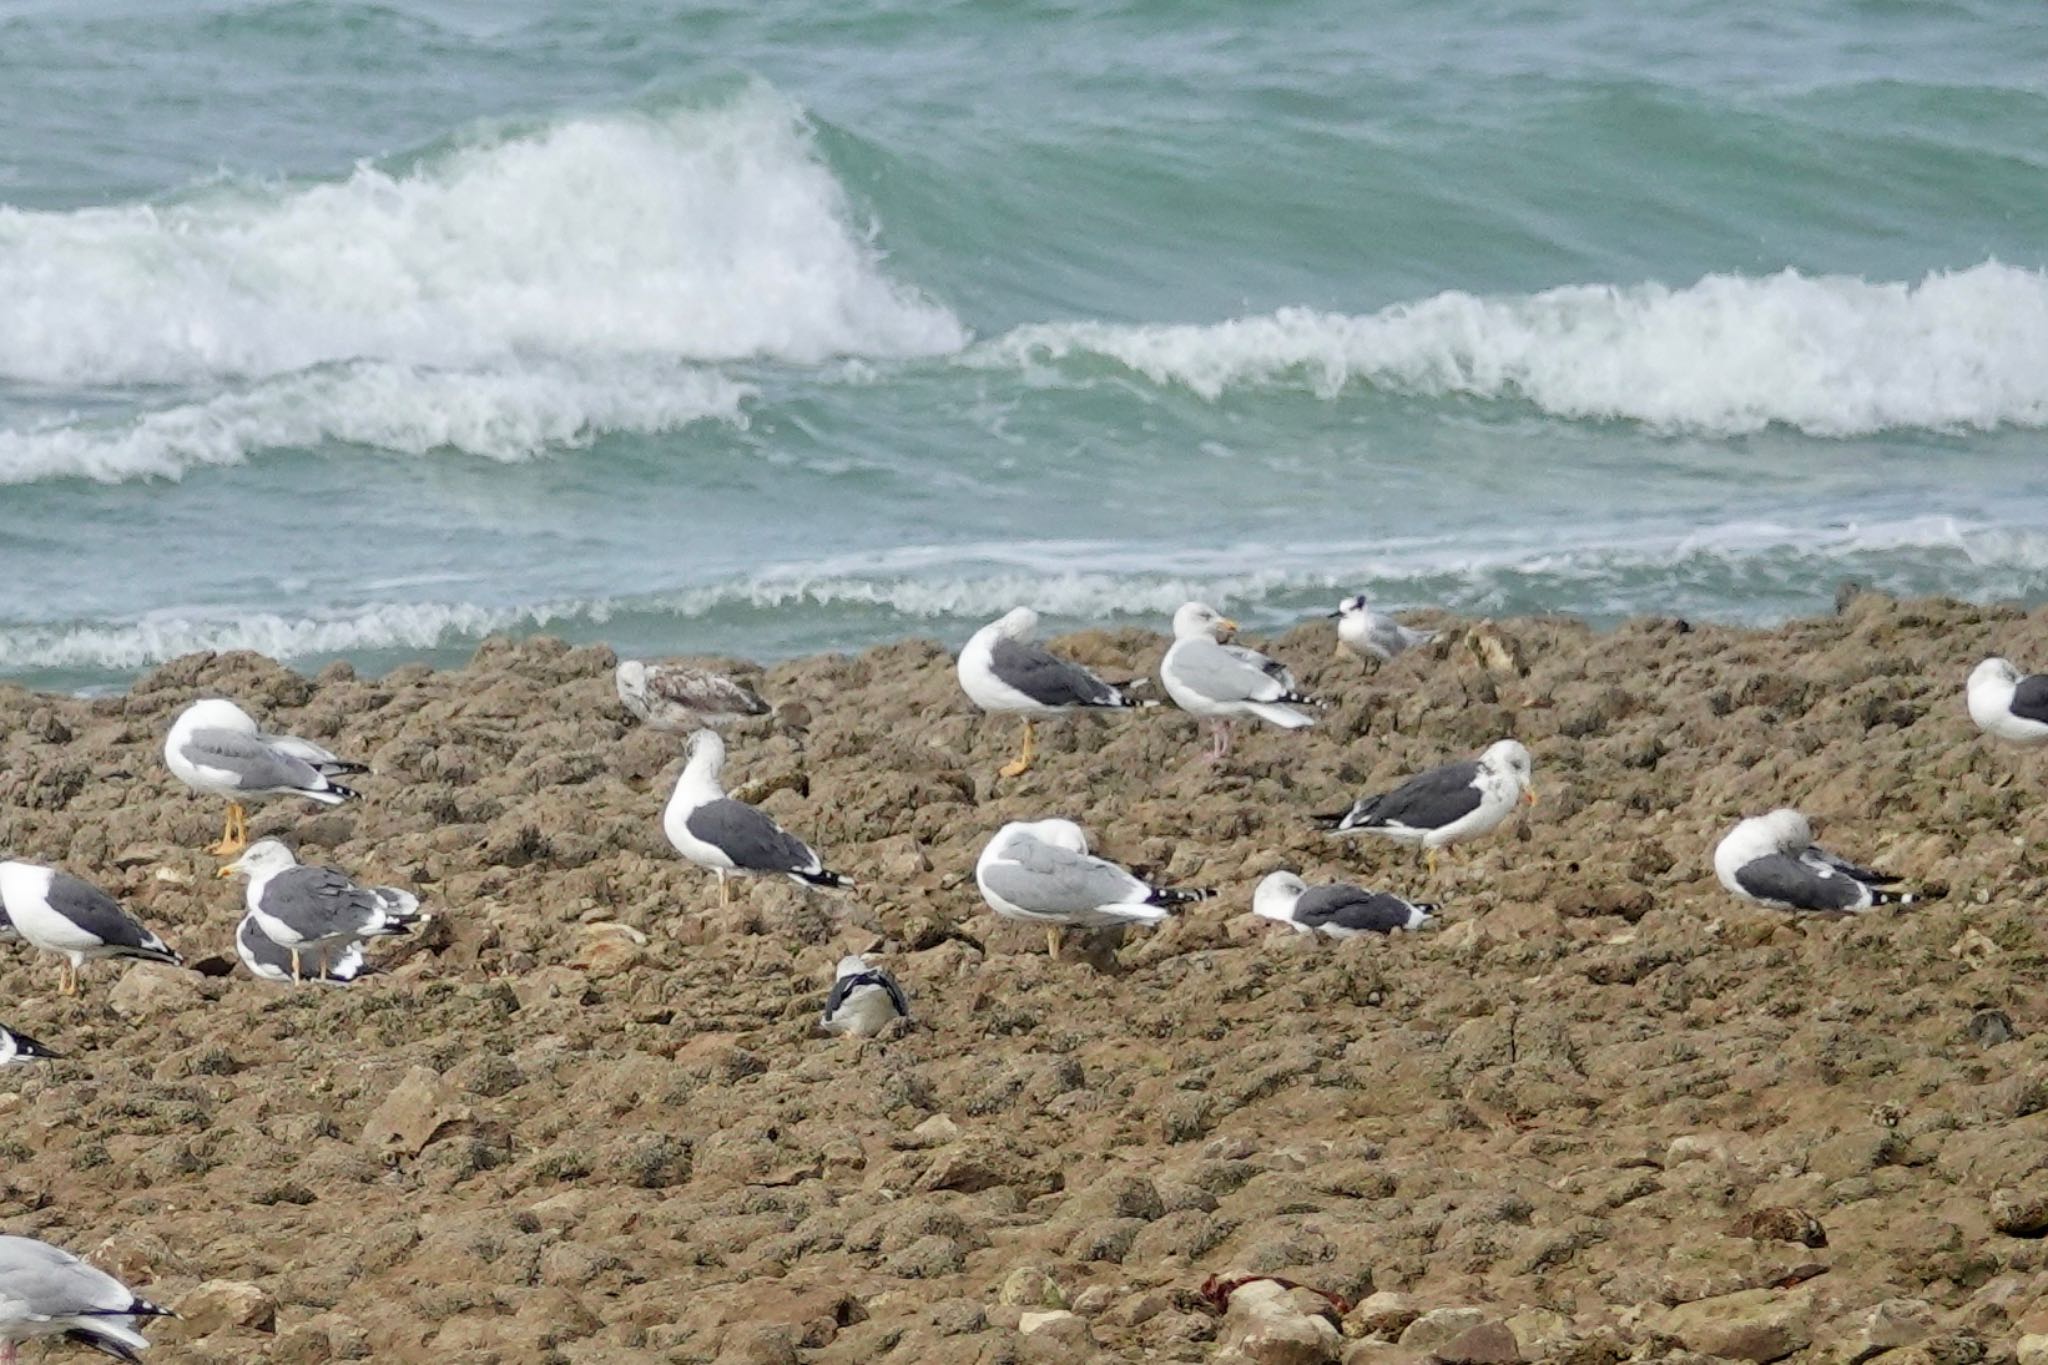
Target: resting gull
305 909
1218 681
1446 805
1001 669
268 960
713 830
2008 706
45 1291
1364 631
864 1000
19 1048
215 747
58 913
1041 871
1341 911
675 696
1772 860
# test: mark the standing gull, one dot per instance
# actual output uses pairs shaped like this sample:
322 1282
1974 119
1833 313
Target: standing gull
675 696
60 914
215 747
19 1048
1772 860
1218 681
713 830
1002 670
1341 911
267 960
1041 871
1364 631
864 1000
2009 706
45 1291
1446 805
305 909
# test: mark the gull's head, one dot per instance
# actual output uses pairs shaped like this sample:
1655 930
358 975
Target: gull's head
1017 623
1787 830
1276 895
1354 605
215 713
853 964
1059 833
631 677
707 752
1994 673
264 858
1199 618
1506 758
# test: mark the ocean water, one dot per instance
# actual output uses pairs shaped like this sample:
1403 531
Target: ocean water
349 330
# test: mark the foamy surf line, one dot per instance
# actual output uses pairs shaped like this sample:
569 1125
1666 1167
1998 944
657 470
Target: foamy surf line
830 609
1828 355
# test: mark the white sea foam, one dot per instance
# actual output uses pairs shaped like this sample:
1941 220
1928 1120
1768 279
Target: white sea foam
831 605
1829 355
708 234
498 414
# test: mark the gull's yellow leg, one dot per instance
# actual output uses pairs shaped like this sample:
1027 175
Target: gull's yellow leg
296 978
234 833
1429 861
1052 940
1022 763
724 890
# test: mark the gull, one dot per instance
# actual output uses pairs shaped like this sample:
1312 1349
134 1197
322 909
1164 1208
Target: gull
864 1000
268 960
215 747
712 830
305 909
45 1291
59 913
675 696
1001 669
2006 705
18 1049
1446 805
1218 681
1040 871
1772 860
1340 911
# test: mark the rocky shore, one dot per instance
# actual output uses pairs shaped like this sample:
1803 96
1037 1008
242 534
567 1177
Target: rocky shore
1604 1112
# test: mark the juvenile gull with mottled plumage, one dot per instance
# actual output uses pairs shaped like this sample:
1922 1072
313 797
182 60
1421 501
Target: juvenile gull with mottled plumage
61 914
668 695
1446 805
1772 860
712 830
1002 669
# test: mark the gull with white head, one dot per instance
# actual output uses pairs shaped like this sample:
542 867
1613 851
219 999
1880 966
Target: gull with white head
316 910
1772 860
714 831
1220 682
1445 805
215 747
1366 633
864 1000
2007 705
62 914
1041 871
1002 669
1338 911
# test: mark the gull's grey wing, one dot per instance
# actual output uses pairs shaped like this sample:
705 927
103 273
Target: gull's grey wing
1048 679
325 761
319 902
2030 698
1428 800
255 765
1267 665
1045 879
98 914
52 1283
1804 885
1817 856
1221 674
874 976
754 842
1389 637
1351 907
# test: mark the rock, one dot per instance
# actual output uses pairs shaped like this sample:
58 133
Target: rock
1068 1329
2018 1213
1490 1343
147 989
221 1304
2031 1349
1268 1324
936 1131
421 1108
1439 1327
1752 1324
1384 1314
1030 1287
1780 1224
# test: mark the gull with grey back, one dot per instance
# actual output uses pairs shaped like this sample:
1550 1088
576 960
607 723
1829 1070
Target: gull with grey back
215 747
864 1000
1368 634
59 913
1337 911
1772 860
1041 872
317 910
1003 669
269 960
1445 805
1221 682
2007 705
714 831
45 1291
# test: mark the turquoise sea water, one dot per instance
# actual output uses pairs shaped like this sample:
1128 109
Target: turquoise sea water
338 329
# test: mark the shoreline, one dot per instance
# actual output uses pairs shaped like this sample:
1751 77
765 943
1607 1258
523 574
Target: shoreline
1550 1111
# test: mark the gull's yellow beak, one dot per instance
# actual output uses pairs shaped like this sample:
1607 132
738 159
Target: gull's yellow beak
1529 795
1226 625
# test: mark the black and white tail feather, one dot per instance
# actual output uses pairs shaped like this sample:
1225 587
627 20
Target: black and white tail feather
1164 897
